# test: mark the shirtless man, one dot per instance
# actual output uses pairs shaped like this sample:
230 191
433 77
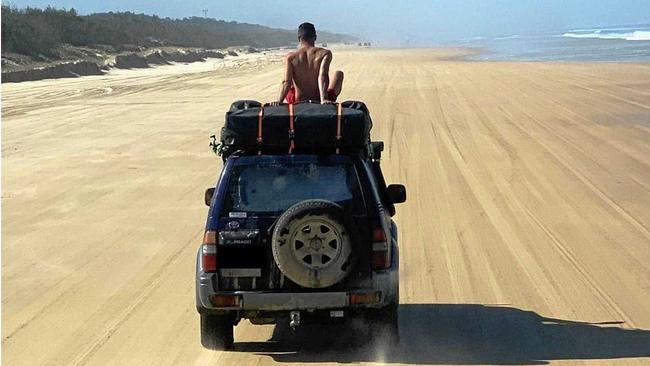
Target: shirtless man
306 73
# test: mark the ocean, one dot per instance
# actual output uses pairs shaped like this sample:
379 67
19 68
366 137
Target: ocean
607 44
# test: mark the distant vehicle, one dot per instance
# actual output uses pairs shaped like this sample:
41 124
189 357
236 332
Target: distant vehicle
303 235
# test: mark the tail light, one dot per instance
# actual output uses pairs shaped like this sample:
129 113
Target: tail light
364 298
380 249
226 301
209 252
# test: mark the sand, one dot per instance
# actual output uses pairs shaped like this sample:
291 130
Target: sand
525 238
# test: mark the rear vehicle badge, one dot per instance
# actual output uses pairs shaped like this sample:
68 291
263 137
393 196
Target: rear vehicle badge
233 225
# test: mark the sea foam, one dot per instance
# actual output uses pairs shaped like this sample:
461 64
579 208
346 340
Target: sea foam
638 35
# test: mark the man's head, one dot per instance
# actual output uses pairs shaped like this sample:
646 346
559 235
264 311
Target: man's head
307 33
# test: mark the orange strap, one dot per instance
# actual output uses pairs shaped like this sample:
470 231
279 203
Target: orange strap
339 110
292 131
260 118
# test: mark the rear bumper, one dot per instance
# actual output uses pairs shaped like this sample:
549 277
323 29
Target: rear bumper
381 294
294 301
275 301
384 288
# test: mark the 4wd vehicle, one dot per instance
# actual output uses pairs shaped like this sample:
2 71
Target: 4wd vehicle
300 235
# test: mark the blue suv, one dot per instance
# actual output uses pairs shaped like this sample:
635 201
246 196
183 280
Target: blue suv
299 238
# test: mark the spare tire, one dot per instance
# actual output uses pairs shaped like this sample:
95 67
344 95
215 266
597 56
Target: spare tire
312 244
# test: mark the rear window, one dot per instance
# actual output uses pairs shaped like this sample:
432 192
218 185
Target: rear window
272 187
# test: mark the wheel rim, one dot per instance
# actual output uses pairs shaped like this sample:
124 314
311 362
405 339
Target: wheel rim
316 242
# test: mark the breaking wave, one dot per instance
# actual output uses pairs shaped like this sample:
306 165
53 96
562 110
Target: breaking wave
637 35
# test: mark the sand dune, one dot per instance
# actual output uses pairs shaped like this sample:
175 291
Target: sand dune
525 240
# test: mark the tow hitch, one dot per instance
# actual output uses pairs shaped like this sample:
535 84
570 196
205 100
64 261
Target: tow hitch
295 320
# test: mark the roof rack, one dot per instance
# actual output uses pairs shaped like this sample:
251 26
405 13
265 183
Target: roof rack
302 128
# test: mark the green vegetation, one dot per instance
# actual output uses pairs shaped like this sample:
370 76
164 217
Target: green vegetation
38 32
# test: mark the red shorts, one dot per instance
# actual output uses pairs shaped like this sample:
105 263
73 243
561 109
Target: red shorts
291 95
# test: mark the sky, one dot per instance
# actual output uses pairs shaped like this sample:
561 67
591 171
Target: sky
416 22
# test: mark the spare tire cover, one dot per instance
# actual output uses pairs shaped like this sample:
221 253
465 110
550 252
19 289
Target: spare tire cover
312 245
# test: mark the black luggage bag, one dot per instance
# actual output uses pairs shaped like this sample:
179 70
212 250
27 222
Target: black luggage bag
317 128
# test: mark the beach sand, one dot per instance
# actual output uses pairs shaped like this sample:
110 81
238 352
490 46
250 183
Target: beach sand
525 238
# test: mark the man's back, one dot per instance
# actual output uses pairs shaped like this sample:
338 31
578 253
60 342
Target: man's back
306 72
306 65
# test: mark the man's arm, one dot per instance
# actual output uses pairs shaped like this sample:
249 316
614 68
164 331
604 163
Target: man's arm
287 82
324 77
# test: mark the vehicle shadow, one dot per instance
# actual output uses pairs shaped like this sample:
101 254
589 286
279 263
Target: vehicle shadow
459 334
